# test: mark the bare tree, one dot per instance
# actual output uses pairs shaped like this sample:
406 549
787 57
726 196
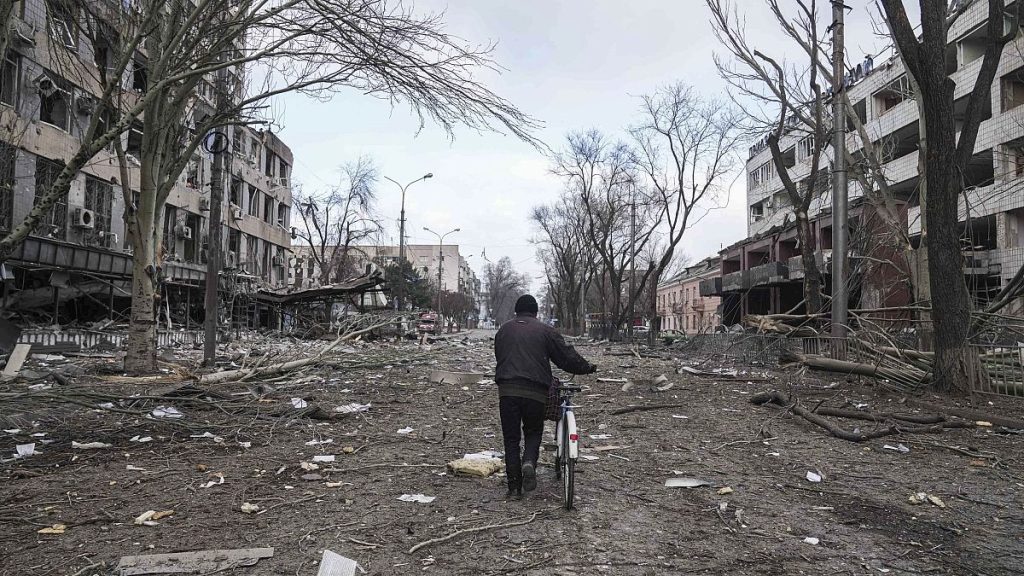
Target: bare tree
504 286
568 256
686 152
603 175
338 219
957 365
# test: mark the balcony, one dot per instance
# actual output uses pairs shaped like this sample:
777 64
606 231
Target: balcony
767 274
698 305
711 286
796 264
735 282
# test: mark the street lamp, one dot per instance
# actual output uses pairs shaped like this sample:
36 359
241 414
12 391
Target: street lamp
440 262
401 238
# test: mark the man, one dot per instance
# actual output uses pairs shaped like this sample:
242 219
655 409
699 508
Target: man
524 348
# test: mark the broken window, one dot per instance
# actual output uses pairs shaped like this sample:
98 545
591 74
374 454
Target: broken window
62 23
268 166
893 94
234 241
252 254
254 197
140 74
1012 86
282 215
134 146
194 175
6 187
56 218
99 197
254 152
54 102
192 245
282 172
10 79
805 147
237 141
268 209
170 221
235 195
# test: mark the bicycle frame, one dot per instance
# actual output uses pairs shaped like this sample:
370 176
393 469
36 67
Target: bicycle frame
567 423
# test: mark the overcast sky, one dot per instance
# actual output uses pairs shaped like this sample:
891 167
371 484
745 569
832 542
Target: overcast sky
571 64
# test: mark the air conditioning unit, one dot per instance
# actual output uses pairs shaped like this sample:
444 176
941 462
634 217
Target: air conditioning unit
236 212
204 204
84 218
85 105
45 85
184 232
22 33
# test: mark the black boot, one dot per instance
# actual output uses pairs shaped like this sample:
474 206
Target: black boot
515 491
529 476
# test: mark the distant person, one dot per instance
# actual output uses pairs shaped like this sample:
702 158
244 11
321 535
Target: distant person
525 347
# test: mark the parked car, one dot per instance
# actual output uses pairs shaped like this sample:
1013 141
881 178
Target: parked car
428 323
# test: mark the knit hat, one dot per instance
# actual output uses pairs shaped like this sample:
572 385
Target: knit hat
526 304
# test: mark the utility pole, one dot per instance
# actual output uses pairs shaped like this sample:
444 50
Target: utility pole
440 263
632 264
839 189
400 289
217 143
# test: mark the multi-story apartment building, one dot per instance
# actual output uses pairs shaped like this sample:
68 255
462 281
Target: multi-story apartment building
763 273
81 253
680 304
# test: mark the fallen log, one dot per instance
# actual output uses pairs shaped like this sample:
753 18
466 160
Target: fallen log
646 407
972 415
782 400
905 375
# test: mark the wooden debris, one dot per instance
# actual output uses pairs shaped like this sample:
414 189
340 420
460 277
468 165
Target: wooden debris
458 533
16 360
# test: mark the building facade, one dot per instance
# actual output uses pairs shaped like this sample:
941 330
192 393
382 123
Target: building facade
681 306
762 273
79 259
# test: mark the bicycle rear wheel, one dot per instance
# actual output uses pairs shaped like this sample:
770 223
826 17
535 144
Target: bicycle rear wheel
568 469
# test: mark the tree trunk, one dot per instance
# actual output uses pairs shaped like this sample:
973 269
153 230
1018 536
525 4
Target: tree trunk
812 276
919 263
146 242
957 365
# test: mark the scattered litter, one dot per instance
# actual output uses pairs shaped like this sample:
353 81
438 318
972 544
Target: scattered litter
133 468
599 436
13 430
897 448
352 408
245 444
612 380
25 450
250 508
308 466
725 490
219 480
319 442
199 562
983 424
627 386
55 529
89 445
685 483
811 540
216 439
299 403
680 417
323 458
141 439
406 430
589 457
348 450
41 386
166 412
150 517
16 360
417 498
617 457
48 357
106 405
660 383
479 467
813 476
922 497
337 565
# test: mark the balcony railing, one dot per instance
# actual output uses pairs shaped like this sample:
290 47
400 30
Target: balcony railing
735 281
770 273
711 286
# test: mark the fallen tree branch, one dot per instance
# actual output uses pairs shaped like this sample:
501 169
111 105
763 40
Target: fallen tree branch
779 399
644 408
458 533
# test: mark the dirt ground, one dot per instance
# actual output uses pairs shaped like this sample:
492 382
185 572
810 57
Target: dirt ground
626 521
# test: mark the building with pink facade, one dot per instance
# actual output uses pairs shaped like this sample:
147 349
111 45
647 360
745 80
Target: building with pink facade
680 305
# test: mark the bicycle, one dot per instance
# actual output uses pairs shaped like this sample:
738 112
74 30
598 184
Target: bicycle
568 444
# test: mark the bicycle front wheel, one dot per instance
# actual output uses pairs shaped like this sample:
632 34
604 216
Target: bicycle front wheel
567 469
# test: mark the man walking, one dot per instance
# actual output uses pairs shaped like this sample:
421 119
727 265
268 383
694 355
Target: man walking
524 348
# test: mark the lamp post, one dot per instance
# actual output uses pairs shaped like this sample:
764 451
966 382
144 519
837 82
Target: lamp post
401 238
440 262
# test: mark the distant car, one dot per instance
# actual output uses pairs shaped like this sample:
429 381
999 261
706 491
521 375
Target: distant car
427 323
640 329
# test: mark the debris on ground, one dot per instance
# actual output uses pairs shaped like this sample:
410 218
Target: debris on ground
200 562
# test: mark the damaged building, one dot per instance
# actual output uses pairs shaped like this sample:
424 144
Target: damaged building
762 274
76 266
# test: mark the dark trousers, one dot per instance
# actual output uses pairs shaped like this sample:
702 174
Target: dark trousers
515 413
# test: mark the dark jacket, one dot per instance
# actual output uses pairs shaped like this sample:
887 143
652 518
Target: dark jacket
524 348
